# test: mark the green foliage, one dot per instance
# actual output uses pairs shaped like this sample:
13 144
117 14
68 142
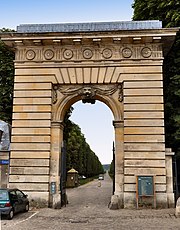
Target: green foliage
167 11
67 124
172 96
79 154
6 81
6 30
86 180
111 169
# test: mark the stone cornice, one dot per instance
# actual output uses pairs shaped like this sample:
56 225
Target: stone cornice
57 124
15 39
102 41
118 124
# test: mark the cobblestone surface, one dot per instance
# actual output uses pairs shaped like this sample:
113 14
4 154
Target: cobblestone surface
88 210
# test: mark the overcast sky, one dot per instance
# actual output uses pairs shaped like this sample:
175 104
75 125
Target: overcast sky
95 120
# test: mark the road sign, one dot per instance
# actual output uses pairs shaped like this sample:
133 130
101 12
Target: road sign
4 162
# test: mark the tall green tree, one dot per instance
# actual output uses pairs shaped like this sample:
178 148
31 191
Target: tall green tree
167 11
172 96
111 169
79 154
6 80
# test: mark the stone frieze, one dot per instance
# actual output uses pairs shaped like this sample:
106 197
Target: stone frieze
89 53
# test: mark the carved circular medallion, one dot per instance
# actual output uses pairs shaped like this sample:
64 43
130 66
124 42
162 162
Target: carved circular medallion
30 54
146 52
68 54
107 53
126 52
49 54
87 53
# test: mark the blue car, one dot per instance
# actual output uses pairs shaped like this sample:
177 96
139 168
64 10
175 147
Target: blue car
13 201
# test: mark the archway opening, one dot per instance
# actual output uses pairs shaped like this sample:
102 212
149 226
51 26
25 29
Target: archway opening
96 127
95 122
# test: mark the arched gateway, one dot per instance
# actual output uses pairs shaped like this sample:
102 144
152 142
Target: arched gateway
118 63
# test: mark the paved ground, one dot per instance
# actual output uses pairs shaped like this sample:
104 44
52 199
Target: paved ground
88 210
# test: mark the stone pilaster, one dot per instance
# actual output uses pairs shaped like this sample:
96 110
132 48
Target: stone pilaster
119 160
56 142
169 178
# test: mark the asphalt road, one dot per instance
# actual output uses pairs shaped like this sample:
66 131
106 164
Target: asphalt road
88 210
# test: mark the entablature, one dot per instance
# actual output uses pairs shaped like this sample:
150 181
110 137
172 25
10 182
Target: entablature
90 45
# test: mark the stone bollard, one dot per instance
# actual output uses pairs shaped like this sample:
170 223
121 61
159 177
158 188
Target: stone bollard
178 207
114 204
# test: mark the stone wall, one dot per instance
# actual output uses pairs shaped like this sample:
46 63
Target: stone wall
4 168
31 134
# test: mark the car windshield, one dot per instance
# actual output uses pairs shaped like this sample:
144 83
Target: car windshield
3 195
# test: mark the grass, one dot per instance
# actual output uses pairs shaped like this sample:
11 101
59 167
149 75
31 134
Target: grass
87 180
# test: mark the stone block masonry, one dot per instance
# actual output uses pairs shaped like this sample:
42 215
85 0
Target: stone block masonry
119 64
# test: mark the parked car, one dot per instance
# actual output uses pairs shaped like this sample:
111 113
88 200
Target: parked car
13 201
101 177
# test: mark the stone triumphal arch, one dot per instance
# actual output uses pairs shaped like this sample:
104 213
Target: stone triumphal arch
118 63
